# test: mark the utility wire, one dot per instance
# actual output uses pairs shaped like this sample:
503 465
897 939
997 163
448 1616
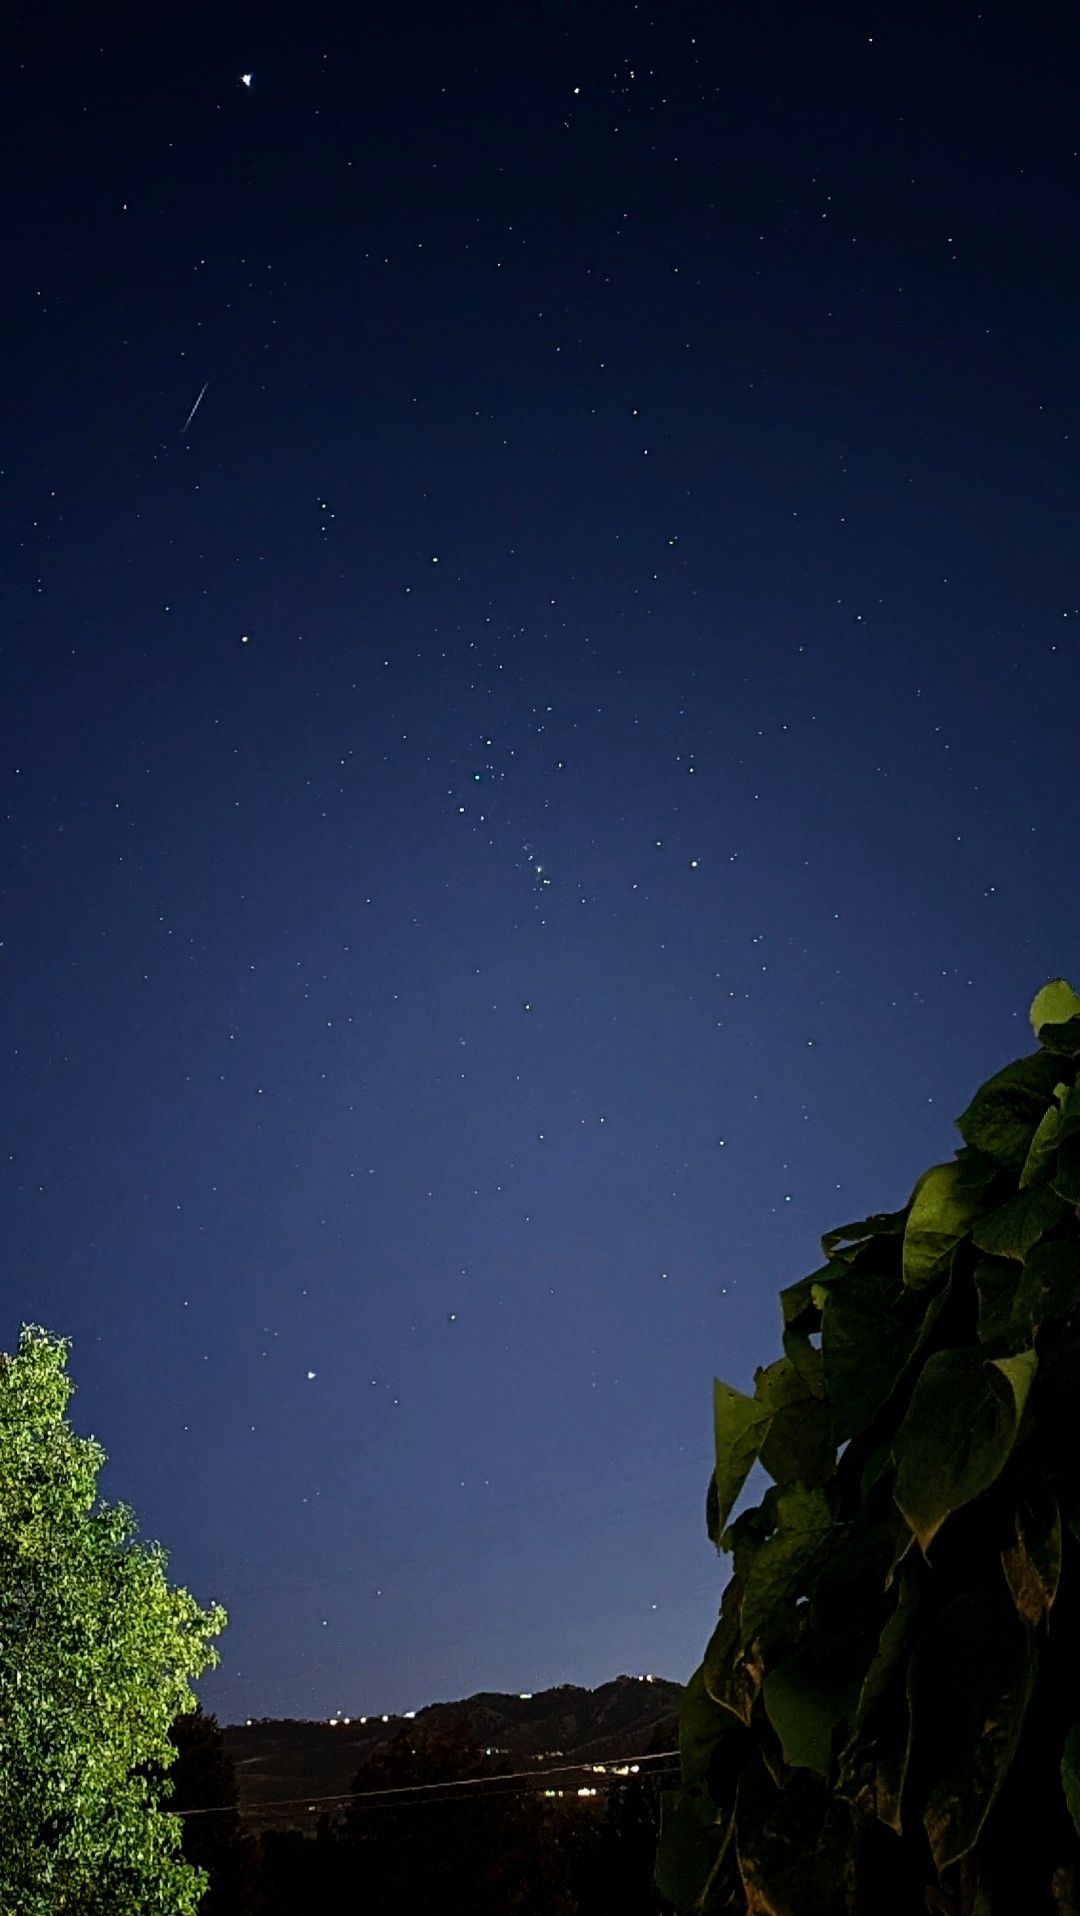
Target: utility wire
420 1789
447 1802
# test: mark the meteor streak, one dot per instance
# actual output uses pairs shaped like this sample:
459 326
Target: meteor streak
194 410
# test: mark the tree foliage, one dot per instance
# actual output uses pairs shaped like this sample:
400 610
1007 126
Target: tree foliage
887 1715
96 1657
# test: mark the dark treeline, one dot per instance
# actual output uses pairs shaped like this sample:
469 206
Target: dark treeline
496 1851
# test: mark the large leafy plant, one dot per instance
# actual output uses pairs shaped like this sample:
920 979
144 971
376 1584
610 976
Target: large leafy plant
887 1716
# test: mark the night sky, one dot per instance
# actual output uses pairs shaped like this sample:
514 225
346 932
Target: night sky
548 793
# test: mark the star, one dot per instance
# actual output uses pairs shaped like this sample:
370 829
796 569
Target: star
246 79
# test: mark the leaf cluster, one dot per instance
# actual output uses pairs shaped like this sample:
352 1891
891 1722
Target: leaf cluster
97 1652
887 1715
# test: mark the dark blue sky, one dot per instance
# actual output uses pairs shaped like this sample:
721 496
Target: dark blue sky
551 794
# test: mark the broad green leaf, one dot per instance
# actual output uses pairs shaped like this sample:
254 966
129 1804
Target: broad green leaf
870 1773
697 1819
1004 1113
978 1169
805 1698
1055 1018
996 1285
1055 1004
1049 1284
691 1848
894 1644
891 1772
1032 1559
1070 1774
740 1425
797 1299
882 1224
777 1385
941 1214
971 1678
815 1687
730 1672
958 1433
802 1324
749 1530
905 1547
712 1512
779 1571
937 1305
848 1588
1015 1227
798 1446
865 1344
1043 1147
805 1355
871 1767
1061 1041
793 1847
704 1728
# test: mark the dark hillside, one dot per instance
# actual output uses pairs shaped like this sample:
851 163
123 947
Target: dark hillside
290 1758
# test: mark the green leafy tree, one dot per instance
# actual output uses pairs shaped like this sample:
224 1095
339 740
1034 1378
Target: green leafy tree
96 1657
887 1716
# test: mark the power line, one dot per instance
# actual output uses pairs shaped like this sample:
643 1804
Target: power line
516 1790
377 1797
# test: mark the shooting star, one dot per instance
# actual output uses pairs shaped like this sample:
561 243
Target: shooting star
194 410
